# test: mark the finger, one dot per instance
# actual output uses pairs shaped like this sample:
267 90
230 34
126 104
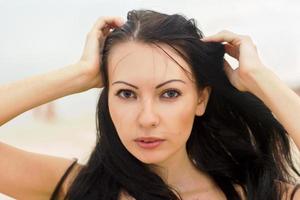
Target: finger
223 36
228 69
232 51
106 23
111 21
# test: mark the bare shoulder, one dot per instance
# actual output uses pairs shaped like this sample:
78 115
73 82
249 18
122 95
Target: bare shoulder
29 175
240 191
70 178
125 196
290 190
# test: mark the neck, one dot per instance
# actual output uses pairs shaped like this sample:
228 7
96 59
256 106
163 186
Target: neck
180 173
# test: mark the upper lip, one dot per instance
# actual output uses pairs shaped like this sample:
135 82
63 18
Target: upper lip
147 139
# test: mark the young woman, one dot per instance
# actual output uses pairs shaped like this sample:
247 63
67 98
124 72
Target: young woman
174 120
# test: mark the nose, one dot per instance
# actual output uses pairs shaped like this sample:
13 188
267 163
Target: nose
148 118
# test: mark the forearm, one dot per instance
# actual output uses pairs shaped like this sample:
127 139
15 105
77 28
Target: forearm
280 99
20 96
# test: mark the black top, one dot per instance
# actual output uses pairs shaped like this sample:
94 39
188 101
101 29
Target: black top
60 182
294 190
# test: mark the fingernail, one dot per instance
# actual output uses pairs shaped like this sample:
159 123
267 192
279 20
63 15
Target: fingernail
122 21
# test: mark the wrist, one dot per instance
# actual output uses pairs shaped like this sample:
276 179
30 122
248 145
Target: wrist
82 78
89 76
75 78
259 80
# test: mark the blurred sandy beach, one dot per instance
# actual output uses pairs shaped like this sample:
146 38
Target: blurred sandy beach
66 137
63 137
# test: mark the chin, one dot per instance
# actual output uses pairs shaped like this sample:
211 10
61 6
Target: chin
150 159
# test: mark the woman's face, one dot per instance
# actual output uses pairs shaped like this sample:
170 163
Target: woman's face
151 96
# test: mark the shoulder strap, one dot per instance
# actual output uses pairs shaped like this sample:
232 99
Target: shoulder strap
60 182
294 190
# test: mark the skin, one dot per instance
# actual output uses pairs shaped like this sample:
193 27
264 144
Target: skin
171 108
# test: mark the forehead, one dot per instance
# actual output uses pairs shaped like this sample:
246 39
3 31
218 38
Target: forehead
137 60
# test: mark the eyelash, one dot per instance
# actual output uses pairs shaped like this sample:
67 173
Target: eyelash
168 90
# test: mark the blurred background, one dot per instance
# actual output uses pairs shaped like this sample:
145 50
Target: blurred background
41 36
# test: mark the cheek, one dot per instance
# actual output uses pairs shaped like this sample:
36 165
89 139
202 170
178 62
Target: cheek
181 116
178 120
122 120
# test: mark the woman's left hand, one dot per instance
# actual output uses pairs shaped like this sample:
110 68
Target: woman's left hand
244 50
254 77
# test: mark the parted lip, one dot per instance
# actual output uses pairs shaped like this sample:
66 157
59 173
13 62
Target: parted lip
148 139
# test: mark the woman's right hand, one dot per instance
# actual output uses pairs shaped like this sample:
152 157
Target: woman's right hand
90 60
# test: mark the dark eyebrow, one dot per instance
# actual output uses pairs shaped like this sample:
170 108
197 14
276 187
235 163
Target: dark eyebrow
158 86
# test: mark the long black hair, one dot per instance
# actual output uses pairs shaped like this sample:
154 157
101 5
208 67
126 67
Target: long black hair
237 141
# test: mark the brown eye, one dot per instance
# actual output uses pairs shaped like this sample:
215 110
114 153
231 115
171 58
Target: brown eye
171 94
125 94
128 94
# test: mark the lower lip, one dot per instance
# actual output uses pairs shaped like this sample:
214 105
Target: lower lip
149 145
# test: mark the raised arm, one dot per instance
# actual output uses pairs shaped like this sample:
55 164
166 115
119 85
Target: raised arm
254 77
28 175
20 96
283 102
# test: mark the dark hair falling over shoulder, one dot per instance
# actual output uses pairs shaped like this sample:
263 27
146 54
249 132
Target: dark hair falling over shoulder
236 142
